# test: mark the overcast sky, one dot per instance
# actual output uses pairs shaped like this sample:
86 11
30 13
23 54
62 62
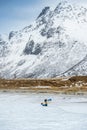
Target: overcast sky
16 14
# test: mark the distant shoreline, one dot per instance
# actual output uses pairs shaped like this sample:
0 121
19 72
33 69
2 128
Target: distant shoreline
66 85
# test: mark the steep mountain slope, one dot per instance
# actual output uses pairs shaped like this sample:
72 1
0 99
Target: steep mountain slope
78 69
54 43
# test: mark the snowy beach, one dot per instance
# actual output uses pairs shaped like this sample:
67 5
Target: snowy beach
23 111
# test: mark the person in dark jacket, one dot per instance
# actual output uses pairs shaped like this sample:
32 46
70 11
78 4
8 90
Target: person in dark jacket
45 103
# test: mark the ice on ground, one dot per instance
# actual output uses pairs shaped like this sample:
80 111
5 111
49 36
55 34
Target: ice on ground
23 111
42 86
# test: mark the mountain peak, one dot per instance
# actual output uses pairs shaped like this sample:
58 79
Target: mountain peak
63 5
49 47
44 11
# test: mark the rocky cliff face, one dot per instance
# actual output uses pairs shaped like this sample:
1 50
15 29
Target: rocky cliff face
51 46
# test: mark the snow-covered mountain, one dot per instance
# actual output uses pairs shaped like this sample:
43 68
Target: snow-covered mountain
53 44
78 69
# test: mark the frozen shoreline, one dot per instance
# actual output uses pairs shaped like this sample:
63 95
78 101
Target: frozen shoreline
42 91
23 111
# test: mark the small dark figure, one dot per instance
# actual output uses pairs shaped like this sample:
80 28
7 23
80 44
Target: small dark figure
45 103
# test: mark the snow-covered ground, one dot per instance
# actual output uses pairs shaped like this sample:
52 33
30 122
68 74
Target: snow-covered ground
22 111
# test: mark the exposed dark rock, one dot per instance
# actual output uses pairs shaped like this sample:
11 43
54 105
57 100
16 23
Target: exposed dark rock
29 48
21 62
61 44
11 34
44 11
50 32
32 49
43 32
37 49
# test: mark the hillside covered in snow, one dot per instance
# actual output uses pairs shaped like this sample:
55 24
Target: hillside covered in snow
54 44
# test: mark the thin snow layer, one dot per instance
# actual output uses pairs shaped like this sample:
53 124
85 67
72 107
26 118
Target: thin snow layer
23 111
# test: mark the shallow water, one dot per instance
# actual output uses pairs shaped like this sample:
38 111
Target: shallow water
23 111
